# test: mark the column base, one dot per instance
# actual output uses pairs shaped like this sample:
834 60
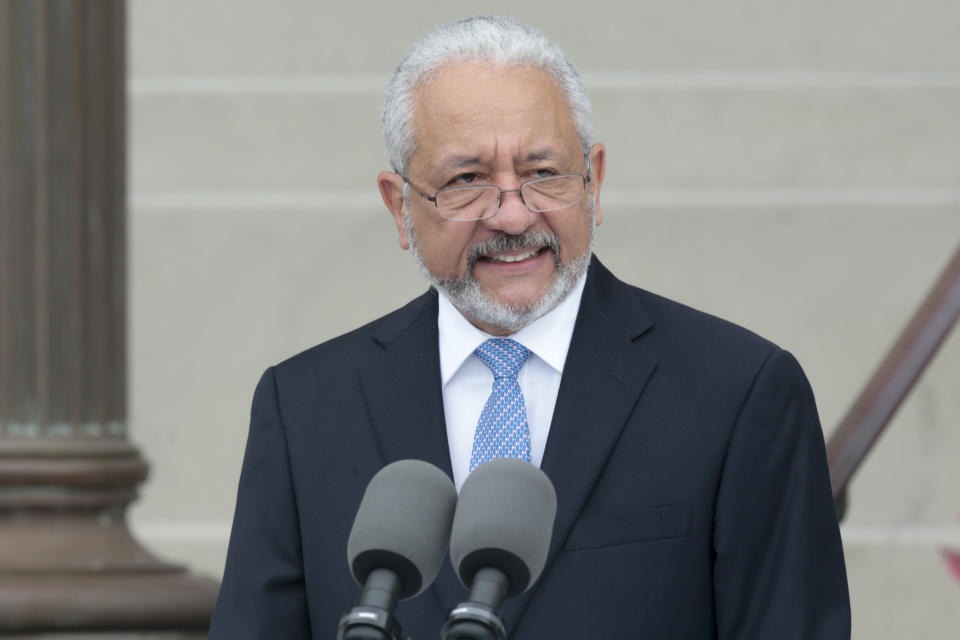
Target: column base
68 563
161 605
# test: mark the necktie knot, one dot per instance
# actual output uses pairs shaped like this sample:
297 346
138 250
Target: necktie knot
503 356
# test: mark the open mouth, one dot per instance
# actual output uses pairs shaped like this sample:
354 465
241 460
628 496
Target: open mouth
515 253
514 258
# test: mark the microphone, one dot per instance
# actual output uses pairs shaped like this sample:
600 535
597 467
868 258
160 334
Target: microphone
499 543
397 544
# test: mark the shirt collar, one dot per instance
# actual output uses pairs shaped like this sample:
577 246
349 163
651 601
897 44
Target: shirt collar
547 337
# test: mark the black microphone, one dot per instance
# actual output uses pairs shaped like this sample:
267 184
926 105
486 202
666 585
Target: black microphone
397 544
499 543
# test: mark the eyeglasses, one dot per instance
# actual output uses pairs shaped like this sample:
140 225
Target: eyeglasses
541 195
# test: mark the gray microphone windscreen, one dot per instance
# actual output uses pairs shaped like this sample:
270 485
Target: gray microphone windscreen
504 519
403 524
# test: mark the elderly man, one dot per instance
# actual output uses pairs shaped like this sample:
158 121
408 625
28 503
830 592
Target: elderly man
686 453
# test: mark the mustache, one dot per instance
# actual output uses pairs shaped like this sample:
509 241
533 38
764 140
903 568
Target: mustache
505 242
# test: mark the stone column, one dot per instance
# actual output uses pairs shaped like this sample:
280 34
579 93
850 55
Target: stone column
68 563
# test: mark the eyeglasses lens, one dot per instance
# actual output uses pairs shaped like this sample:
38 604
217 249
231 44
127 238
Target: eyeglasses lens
551 194
477 203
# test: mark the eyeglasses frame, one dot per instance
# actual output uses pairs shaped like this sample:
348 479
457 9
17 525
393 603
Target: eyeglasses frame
519 191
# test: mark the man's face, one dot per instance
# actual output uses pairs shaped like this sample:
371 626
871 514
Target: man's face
477 125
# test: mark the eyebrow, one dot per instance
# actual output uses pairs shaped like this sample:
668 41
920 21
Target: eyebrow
458 161
541 154
463 160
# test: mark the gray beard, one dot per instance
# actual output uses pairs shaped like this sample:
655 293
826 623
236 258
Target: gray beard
472 301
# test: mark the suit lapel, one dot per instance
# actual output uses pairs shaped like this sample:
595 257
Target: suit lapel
402 388
405 400
603 377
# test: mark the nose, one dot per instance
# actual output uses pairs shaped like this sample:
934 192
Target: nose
514 217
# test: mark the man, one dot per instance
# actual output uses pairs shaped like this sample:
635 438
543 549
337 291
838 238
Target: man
693 496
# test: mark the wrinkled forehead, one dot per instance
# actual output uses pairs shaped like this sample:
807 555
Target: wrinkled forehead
465 106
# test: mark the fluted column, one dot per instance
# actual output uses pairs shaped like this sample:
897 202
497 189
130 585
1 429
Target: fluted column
67 471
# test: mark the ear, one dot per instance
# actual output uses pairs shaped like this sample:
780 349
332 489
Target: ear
391 190
598 166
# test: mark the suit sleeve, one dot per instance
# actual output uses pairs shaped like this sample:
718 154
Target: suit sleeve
779 570
263 594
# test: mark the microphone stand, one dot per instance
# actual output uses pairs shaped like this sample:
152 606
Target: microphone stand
373 618
479 618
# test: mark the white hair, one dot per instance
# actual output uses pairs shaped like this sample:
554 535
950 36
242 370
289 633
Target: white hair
496 40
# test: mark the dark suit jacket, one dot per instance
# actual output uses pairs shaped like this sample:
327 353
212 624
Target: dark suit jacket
686 452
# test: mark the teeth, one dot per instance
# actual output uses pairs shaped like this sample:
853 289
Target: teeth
523 256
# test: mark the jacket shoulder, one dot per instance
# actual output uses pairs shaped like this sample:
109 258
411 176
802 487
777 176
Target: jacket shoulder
352 350
698 328
666 325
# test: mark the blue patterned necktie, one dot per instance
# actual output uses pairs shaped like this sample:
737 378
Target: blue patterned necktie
502 431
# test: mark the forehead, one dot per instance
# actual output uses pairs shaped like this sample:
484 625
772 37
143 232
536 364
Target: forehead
477 109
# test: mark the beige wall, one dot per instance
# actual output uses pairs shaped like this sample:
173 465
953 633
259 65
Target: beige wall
794 167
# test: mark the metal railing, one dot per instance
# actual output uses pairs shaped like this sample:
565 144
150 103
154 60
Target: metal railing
871 412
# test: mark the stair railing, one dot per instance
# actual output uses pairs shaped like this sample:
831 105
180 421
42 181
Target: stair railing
871 412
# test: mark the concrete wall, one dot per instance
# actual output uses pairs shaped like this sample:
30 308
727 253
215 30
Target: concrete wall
794 167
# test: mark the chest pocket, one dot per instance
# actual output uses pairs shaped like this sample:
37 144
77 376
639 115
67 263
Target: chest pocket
654 523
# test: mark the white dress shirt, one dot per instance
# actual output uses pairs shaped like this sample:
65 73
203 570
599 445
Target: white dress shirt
467 382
